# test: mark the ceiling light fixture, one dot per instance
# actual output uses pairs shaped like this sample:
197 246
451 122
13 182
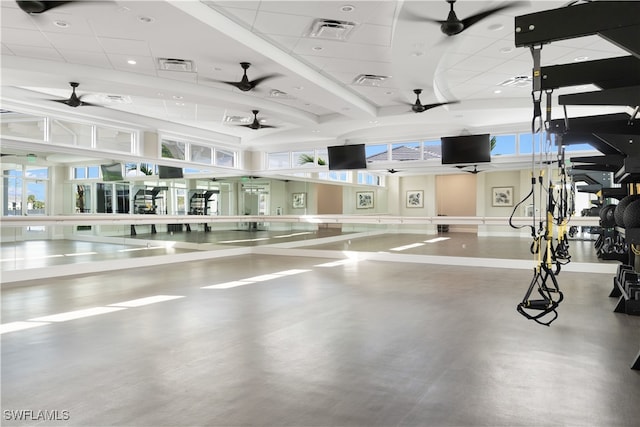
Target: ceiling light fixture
347 8
145 19
177 97
61 24
131 62
497 91
580 58
317 48
506 49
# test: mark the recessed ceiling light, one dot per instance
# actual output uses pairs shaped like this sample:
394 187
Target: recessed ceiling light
317 48
145 19
373 122
417 53
497 91
580 58
347 8
298 87
506 49
217 69
180 104
61 24
177 97
307 104
131 62
495 27
388 92
160 94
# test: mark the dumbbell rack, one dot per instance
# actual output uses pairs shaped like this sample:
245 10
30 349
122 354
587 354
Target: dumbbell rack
628 294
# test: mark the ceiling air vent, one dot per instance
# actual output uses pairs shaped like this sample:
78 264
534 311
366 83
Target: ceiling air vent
517 81
369 80
173 64
330 29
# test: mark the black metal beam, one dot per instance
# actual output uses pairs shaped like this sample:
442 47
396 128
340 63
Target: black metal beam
594 167
629 145
605 73
626 38
628 96
616 124
572 138
610 162
575 21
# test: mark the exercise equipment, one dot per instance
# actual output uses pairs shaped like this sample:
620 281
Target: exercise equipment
619 212
631 215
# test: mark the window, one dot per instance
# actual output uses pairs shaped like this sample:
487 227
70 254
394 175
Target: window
376 153
225 158
279 160
69 133
304 158
405 151
110 139
201 154
505 144
432 149
173 149
526 140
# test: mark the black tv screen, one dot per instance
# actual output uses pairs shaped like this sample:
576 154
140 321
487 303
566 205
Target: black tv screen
466 149
169 172
112 172
347 157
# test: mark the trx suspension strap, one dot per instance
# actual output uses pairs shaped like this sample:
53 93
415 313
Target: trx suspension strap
549 294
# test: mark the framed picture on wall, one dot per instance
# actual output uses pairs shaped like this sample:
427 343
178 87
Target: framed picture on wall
415 199
502 196
299 200
364 200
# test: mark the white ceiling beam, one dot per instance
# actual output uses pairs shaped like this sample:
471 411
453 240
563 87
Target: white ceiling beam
239 33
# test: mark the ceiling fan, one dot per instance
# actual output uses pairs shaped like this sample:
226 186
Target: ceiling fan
74 100
392 171
32 7
419 107
453 25
245 84
255 125
474 171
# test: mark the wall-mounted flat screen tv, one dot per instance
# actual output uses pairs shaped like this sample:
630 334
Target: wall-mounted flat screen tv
112 172
343 157
466 149
169 172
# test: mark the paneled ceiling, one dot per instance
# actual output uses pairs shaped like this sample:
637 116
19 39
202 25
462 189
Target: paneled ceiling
113 50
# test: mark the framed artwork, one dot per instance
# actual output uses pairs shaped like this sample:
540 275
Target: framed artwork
364 199
502 196
299 200
415 199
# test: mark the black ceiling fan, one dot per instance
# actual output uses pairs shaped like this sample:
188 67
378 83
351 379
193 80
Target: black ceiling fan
74 100
474 171
453 25
35 7
245 84
255 125
419 107
392 171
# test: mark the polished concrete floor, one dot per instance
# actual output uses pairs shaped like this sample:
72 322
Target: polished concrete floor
44 253
261 340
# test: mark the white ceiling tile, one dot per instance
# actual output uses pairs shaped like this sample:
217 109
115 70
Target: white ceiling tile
5 49
455 75
74 41
24 37
13 17
86 58
76 24
371 34
244 16
36 52
282 25
144 64
125 46
476 63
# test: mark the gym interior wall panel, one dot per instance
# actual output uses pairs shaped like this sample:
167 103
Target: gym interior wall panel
456 196
329 199
149 145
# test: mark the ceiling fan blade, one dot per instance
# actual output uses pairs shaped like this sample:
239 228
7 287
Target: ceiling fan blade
412 17
34 7
474 19
259 80
438 104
